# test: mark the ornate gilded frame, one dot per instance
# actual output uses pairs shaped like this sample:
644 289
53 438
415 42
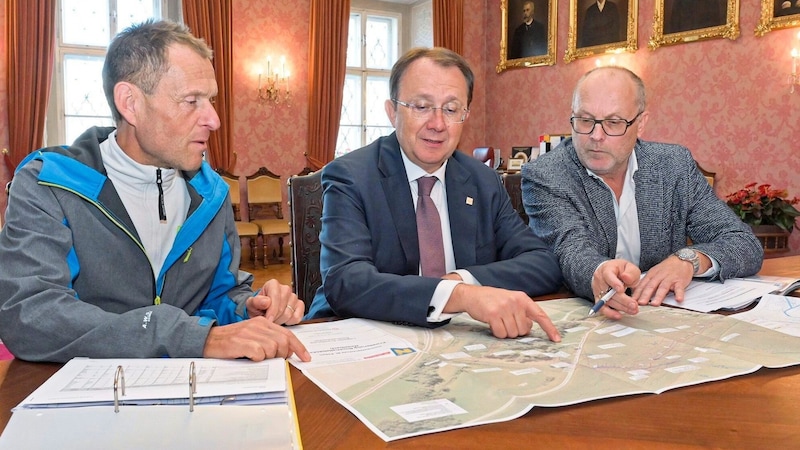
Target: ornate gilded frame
728 30
546 59
630 43
770 22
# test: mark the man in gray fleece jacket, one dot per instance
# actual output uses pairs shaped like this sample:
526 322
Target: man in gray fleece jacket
123 244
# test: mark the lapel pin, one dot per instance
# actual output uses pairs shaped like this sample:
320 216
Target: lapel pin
469 201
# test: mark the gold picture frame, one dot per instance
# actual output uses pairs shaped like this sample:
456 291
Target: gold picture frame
585 22
776 14
681 21
540 35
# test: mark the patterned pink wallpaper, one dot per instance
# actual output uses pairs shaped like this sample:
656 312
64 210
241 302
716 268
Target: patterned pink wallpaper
728 101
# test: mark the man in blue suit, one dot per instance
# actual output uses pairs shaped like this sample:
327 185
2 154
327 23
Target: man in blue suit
370 257
613 206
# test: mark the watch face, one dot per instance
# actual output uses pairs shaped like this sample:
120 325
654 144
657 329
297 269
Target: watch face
686 253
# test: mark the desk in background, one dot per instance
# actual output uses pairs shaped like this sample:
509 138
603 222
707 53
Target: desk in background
760 410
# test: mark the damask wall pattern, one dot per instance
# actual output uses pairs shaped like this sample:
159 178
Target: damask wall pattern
727 101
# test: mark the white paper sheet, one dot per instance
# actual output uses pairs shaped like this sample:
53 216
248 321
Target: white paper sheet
707 296
348 340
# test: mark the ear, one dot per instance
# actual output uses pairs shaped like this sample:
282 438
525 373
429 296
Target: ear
126 99
642 123
391 111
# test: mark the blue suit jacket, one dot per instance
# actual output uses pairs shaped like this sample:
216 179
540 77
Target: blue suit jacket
574 213
370 252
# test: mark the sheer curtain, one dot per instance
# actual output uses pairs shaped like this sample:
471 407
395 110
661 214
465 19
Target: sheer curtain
30 28
212 21
327 63
448 24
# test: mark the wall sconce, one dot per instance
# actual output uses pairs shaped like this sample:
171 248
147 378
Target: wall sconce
794 78
274 86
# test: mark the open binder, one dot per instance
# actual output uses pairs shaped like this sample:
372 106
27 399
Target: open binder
159 403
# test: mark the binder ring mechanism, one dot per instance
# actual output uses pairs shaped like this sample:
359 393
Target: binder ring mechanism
119 382
119 386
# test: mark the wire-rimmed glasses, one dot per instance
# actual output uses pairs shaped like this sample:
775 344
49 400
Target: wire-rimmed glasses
611 127
453 112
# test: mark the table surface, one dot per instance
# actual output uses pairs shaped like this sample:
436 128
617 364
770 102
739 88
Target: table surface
760 410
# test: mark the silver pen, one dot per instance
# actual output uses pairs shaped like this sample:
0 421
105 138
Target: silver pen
605 298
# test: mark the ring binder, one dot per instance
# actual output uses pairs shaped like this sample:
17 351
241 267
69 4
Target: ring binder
74 406
192 386
118 375
119 385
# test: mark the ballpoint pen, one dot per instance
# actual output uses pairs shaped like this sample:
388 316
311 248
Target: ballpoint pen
602 302
605 298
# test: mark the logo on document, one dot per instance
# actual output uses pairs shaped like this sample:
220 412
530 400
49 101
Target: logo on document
403 351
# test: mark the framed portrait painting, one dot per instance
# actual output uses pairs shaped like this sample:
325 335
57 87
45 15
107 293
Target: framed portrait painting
599 26
777 14
679 21
528 33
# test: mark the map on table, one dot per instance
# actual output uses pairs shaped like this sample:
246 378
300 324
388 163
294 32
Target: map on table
462 376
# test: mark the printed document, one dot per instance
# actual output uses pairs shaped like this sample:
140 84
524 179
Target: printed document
86 382
707 296
775 312
345 341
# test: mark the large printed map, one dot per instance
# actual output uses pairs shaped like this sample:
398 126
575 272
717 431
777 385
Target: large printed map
462 376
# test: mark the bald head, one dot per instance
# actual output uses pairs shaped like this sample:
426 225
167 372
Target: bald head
612 81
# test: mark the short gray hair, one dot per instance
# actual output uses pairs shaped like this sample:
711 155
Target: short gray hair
139 55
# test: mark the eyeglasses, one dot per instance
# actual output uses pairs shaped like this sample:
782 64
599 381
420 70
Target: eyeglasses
453 112
612 127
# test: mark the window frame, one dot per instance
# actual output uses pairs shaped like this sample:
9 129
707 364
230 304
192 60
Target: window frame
365 73
56 121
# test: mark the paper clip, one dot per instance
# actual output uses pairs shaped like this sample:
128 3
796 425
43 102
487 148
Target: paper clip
119 381
192 386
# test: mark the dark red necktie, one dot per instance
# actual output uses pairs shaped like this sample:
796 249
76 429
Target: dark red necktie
429 229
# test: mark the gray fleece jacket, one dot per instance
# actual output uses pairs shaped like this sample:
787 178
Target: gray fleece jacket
75 279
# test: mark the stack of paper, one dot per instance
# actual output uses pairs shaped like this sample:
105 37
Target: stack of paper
708 296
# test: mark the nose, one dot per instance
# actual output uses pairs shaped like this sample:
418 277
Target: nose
210 118
436 120
598 133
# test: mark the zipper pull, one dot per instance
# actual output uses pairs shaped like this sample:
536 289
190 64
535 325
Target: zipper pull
162 210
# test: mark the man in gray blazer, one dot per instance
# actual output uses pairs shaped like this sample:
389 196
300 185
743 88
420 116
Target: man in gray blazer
371 254
612 206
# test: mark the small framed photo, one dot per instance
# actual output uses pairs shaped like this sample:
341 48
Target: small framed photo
679 21
529 30
777 14
515 164
594 30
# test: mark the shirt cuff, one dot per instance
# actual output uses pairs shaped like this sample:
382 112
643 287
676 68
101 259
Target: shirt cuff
440 296
712 271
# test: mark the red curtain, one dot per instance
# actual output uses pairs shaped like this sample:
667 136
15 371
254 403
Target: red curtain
327 63
30 28
448 24
212 21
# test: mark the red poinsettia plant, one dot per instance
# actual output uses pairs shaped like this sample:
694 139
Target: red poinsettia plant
760 204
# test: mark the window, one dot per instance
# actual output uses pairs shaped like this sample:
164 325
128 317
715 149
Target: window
84 30
373 46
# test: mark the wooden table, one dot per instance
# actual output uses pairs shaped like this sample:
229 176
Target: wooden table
760 410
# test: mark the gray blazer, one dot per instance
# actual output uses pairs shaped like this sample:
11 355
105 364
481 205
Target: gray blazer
574 213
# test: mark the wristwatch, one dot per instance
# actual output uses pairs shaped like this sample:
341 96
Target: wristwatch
687 254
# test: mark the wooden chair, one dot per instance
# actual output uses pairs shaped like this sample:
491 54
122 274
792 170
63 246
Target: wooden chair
305 219
513 183
246 230
265 209
710 176
488 156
